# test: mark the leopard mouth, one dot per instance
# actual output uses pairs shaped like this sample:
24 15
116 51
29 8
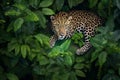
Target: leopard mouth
61 37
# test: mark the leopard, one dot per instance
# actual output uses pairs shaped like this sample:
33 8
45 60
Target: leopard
65 24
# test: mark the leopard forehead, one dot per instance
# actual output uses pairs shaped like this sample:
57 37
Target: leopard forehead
59 18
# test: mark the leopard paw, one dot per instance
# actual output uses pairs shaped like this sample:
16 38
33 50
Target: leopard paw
80 51
51 43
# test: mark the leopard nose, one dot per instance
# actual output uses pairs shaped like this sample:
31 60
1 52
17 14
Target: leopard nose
61 34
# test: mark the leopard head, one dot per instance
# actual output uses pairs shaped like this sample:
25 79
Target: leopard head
60 24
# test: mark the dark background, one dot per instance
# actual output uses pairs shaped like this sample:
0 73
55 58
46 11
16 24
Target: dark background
25 30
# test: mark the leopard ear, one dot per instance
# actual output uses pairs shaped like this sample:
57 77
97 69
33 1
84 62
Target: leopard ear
52 17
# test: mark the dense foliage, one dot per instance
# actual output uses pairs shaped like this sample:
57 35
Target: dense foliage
25 53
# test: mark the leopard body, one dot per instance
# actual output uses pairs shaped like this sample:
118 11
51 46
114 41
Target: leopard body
64 25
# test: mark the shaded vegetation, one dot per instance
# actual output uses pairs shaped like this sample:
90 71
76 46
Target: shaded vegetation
25 53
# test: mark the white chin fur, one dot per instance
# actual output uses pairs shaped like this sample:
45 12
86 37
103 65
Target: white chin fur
61 37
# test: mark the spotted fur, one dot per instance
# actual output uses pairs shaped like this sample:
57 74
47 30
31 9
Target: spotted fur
64 24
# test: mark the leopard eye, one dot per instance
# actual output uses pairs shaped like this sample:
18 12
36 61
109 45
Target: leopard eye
52 18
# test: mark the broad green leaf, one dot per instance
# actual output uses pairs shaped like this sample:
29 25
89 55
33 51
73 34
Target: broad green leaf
12 13
42 60
28 49
115 35
17 49
18 23
100 6
72 76
80 73
80 59
95 54
34 3
65 45
92 3
79 66
10 26
64 76
31 16
39 38
55 52
32 56
24 51
59 4
42 19
2 21
105 2
74 2
47 11
118 3
70 2
109 25
43 39
20 6
68 60
12 45
102 58
55 76
46 3
11 76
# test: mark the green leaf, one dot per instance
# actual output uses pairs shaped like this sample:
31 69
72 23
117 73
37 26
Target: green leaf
32 56
12 13
10 27
42 19
39 38
92 3
12 45
34 3
42 60
116 35
59 4
47 11
70 2
43 39
18 23
64 76
46 3
102 58
17 49
80 59
80 73
11 76
79 66
118 3
24 51
31 16
109 24
55 52
68 60
65 45
55 76
74 2
20 6
72 76
95 54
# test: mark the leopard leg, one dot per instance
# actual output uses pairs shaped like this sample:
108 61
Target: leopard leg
53 40
87 44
